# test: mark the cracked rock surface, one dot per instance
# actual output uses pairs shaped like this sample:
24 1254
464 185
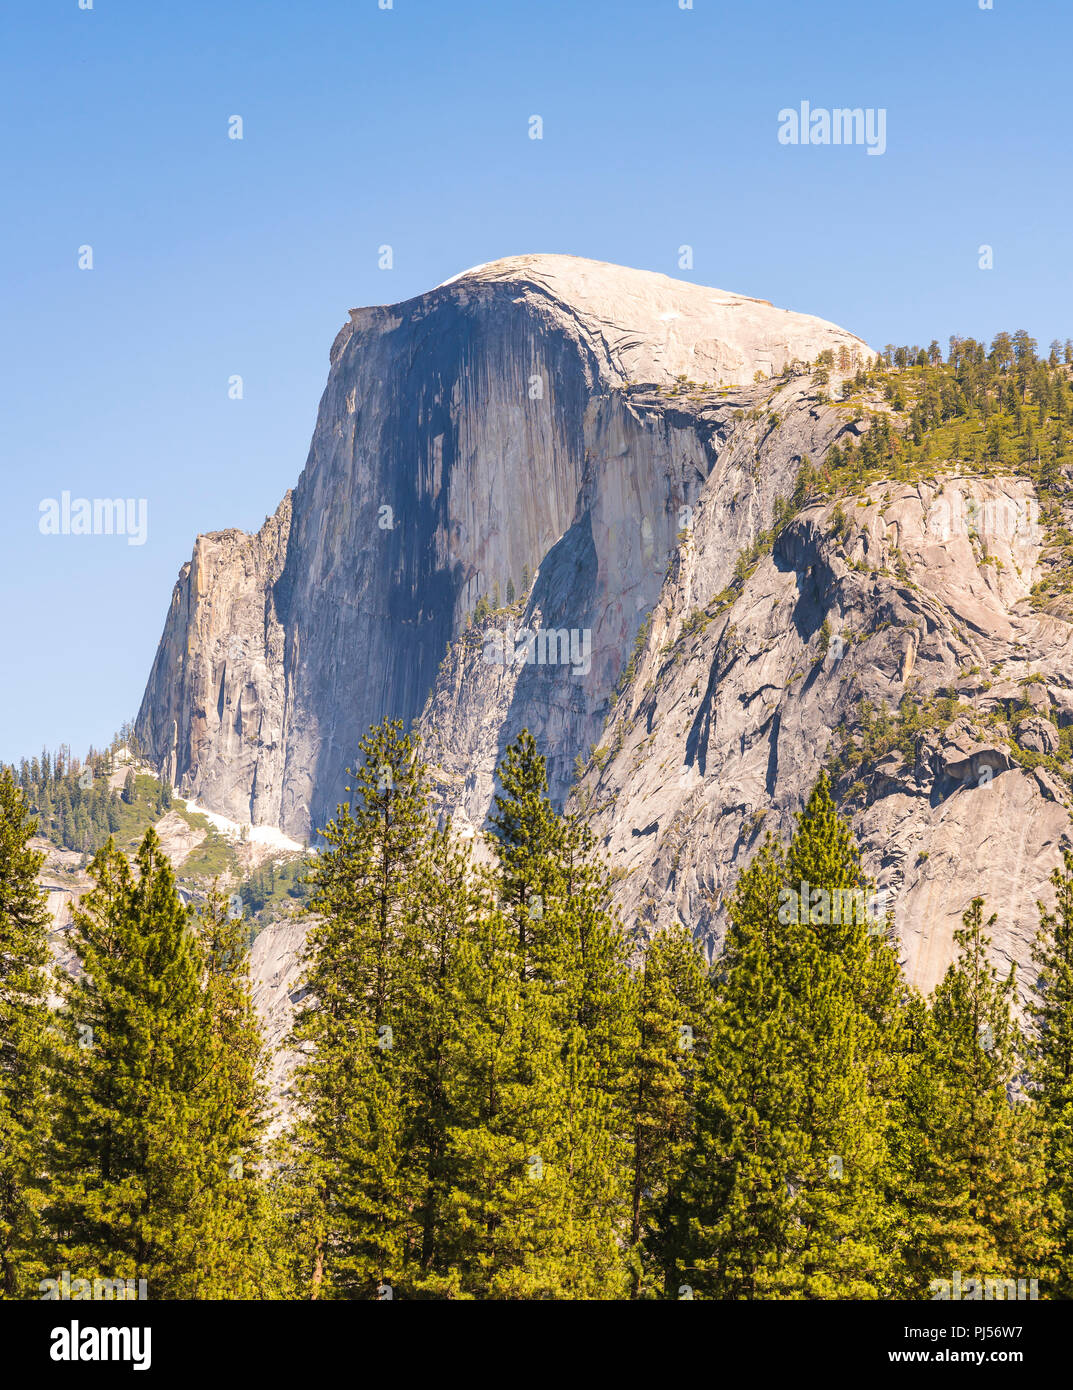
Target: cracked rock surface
610 444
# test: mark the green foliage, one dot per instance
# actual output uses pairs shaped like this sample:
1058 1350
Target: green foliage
674 1014
77 808
210 859
972 1190
154 1092
630 669
24 922
278 882
989 410
1051 1069
350 1227
237 1255
499 1094
461 1128
879 731
787 1180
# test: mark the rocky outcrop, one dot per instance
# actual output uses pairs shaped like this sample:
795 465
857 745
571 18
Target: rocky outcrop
467 440
733 710
213 711
596 454
275 975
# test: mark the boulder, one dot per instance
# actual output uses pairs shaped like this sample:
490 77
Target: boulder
1037 735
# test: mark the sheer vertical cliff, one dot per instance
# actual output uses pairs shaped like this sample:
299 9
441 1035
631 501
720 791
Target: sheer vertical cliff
467 440
533 499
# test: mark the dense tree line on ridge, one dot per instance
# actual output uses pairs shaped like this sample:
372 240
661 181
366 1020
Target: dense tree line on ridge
73 801
1002 408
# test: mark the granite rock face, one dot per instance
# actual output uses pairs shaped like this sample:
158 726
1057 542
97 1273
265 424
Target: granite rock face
211 719
466 439
607 445
731 714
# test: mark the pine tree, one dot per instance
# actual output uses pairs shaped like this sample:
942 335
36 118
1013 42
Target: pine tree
346 1192
450 897
975 1194
349 1139
234 1260
127 1168
674 1007
24 921
797 1098
1051 1054
586 942
558 893
736 1196
505 1205
593 1143
526 838
843 971
571 947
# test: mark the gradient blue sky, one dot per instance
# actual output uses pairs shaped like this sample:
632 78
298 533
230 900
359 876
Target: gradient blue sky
410 127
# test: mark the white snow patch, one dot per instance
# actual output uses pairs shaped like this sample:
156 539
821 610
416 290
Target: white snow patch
255 834
461 273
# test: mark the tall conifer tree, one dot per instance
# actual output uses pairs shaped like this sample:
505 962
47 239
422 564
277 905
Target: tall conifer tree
126 1194
674 1008
1051 1052
505 1203
746 1143
573 966
24 922
235 1259
349 1137
450 897
795 1110
975 1194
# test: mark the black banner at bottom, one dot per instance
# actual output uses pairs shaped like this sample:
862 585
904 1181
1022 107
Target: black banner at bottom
76 1339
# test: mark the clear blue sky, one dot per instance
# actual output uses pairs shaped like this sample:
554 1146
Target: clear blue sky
215 257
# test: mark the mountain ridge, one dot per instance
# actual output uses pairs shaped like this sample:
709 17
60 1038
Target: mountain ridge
516 403
530 484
